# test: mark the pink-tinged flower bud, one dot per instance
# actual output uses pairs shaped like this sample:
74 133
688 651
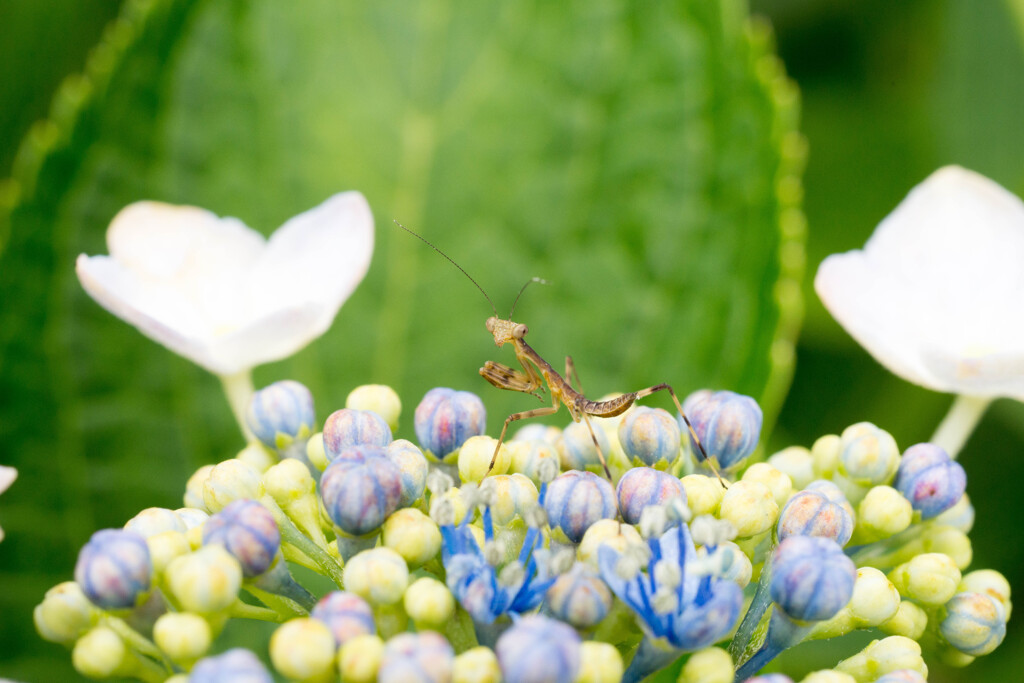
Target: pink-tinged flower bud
347 427
973 623
248 531
642 487
811 513
539 650
650 436
114 568
445 418
930 480
361 489
424 657
579 597
811 577
576 499
234 666
728 426
281 413
346 614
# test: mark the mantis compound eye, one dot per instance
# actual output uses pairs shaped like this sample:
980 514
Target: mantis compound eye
520 331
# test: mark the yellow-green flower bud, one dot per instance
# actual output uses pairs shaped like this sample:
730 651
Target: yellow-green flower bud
777 481
825 453
475 457
796 463
930 579
513 493
229 481
477 665
183 636
359 659
991 583
828 676
751 508
165 547
883 512
379 398
413 535
710 665
616 534
293 488
379 576
882 656
194 488
256 456
949 541
303 649
703 494
910 620
875 600
206 580
528 457
600 663
316 453
64 614
868 455
429 604
101 653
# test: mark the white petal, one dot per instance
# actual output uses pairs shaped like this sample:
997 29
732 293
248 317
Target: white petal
276 335
936 294
7 477
317 257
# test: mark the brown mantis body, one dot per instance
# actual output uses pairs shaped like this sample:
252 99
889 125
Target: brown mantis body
538 373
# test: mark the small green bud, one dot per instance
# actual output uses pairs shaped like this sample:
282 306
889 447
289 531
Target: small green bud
949 541
413 535
883 656
828 676
513 493
777 481
205 581
751 508
379 398
303 649
229 481
183 636
599 663
429 603
166 546
825 453
256 456
930 579
477 665
379 576
194 488
316 453
910 621
797 463
64 614
475 457
703 494
883 512
101 653
617 535
359 659
991 583
710 665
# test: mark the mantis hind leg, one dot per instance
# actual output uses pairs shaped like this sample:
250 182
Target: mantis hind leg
600 455
696 439
536 412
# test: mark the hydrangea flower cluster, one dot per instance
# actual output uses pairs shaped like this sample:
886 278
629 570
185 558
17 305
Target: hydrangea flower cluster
541 570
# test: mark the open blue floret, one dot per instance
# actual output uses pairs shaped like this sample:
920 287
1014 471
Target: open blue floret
475 582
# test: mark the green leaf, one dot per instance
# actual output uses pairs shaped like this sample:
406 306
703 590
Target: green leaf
644 160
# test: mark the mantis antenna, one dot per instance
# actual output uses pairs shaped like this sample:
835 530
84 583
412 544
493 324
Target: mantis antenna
538 280
452 261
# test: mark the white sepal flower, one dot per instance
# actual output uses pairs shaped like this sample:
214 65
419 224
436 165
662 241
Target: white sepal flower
215 291
935 295
7 477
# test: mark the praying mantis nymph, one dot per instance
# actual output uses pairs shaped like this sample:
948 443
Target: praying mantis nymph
538 373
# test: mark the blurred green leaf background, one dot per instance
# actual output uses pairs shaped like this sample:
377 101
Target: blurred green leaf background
631 157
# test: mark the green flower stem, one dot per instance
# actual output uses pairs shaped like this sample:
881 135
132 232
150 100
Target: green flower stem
148 671
891 551
243 611
291 534
137 641
755 613
960 421
286 607
239 390
460 631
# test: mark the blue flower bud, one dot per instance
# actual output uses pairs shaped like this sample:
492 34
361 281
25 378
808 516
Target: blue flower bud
641 487
114 568
576 499
346 614
728 426
348 427
930 480
361 489
694 398
770 678
539 650
234 666
579 597
445 418
650 436
413 468
248 531
902 676
812 579
416 657
974 623
281 413
812 513
868 456
576 448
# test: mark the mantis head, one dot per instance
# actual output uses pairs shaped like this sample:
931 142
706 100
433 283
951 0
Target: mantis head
505 331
